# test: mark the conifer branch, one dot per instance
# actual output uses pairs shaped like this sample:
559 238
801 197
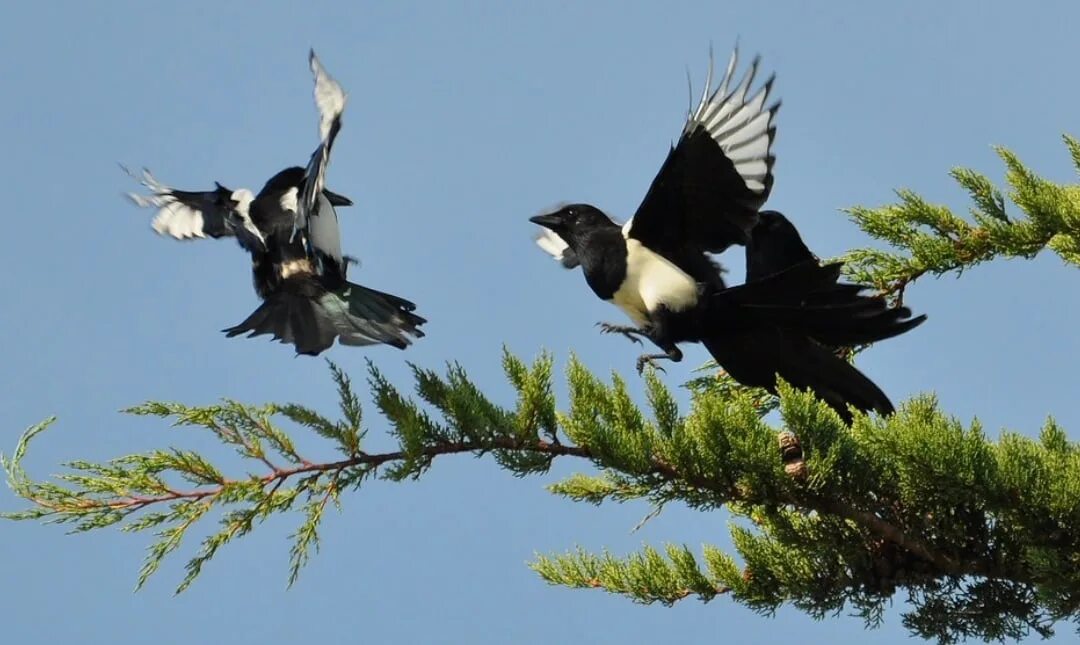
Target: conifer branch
936 241
278 476
915 501
368 463
983 535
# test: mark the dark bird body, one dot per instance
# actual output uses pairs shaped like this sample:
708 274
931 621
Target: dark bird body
290 228
281 253
658 267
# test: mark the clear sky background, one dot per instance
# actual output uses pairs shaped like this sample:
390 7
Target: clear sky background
464 119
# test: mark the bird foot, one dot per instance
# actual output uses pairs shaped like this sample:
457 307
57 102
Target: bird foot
632 333
650 360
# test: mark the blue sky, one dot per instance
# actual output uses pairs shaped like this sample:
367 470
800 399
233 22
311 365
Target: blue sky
464 119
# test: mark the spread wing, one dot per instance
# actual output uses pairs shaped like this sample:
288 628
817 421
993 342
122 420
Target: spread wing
185 215
316 216
714 180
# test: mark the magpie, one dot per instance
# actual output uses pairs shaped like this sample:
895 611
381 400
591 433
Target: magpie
290 229
658 267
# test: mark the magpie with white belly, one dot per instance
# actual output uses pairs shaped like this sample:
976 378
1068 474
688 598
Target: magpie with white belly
290 228
658 267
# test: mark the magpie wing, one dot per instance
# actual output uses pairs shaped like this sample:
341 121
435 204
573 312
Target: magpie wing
316 216
185 214
714 180
552 244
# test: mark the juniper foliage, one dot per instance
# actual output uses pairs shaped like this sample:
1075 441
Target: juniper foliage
980 535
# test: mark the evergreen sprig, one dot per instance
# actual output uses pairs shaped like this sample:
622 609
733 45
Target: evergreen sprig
917 501
982 535
934 240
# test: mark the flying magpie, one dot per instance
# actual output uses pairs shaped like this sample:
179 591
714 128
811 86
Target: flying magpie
290 228
658 269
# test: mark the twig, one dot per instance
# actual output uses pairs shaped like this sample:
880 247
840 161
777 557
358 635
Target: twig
660 468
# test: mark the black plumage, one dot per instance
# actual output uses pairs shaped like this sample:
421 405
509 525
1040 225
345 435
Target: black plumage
290 228
658 268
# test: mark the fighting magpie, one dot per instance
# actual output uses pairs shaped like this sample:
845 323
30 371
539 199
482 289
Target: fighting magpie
658 267
290 228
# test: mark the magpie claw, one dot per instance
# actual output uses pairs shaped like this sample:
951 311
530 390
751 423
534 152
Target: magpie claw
646 359
629 332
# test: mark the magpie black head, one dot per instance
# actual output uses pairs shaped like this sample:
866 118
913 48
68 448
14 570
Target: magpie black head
573 222
289 178
294 177
775 245
775 224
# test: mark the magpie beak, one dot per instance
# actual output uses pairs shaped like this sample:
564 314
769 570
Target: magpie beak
551 221
659 267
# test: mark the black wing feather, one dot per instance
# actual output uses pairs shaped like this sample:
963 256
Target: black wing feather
706 195
316 217
757 357
185 214
303 313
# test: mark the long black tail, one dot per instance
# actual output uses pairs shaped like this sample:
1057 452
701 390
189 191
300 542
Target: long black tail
757 357
832 313
809 299
309 317
787 323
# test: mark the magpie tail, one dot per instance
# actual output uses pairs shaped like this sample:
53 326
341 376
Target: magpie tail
757 357
789 324
303 313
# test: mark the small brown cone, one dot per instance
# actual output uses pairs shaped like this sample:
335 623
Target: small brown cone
791 455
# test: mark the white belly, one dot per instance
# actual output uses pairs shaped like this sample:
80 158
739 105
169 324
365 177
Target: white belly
651 282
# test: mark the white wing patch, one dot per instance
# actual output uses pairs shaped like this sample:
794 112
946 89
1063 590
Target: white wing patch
741 126
329 96
185 215
557 248
174 218
314 211
247 232
288 201
178 221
